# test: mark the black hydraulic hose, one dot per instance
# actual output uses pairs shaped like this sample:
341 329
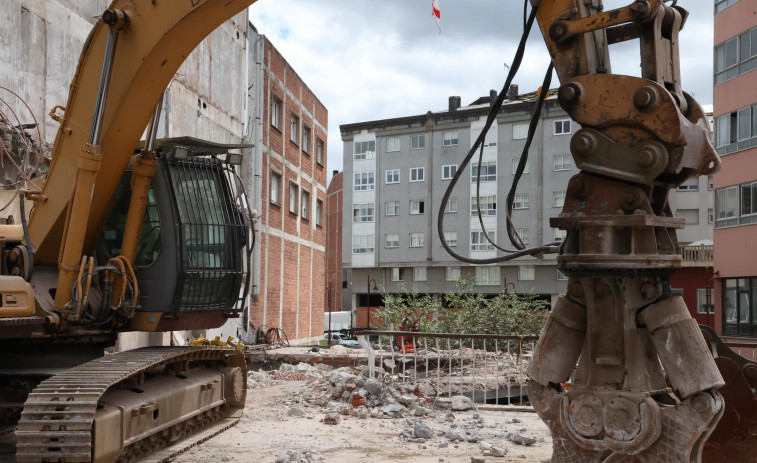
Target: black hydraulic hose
29 250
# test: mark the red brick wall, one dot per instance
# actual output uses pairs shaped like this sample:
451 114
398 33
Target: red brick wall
292 294
334 242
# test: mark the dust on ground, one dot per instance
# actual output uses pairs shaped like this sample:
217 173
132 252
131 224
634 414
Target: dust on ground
308 414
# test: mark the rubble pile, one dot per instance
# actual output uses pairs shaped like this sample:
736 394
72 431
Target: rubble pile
20 150
333 396
299 456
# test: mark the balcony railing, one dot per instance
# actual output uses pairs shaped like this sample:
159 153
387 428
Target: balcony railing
697 256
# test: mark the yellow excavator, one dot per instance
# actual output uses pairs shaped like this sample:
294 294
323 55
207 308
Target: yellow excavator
154 236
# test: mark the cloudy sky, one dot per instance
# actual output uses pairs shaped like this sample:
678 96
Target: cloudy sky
369 60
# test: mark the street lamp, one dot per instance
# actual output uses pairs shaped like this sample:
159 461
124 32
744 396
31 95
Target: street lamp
375 288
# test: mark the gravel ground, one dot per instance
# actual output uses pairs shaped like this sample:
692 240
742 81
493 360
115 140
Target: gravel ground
304 414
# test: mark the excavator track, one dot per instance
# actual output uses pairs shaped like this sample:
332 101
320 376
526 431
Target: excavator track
58 419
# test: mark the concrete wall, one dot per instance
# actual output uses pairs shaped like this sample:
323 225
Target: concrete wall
40 45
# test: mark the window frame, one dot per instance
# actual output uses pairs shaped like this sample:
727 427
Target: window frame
449 171
488 206
453 140
561 124
319 149
294 197
562 165
370 243
526 170
456 273
318 212
368 185
521 201
277 109
396 242
558 198
400 274
420 208
478 241
419 238
448 207
391 172
275 187
526 272
489 173
305 200
361 150
420 273
418 141
448 237
416 171
294 128
363 212
492 276
396 208
391 141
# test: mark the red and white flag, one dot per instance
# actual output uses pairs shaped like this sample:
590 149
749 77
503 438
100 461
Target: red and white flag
435 12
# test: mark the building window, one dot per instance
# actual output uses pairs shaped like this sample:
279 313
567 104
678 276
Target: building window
488 205
417 239
562 162
487 276
294 129
319 151
393 176
710 184
398 274
710 215
691 184
451 238
520 131
691 216
275 190
526 272
305 204
562 127
721 5
449 138
449 171
452 274
362 244
417 206
526 170
392 144
488 172
451 206
737 130
319 212
705 304
416 174
739 298
521 201
392 240
306 134
294 196
736 56
365 149
419 274
524 234
392 208
362 213
364 181
276 106
558 198
561 276
560 234
417 142
478 241
736 205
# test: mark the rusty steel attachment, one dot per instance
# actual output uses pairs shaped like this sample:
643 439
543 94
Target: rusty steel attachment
621 372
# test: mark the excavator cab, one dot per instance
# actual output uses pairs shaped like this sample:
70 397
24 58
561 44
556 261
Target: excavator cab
194 242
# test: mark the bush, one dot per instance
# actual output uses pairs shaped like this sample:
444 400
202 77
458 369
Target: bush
466 312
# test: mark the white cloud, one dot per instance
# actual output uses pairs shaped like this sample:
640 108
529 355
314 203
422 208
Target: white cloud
368 60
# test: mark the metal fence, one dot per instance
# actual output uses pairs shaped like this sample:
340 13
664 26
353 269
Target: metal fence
489 369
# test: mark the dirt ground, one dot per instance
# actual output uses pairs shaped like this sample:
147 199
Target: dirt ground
270 428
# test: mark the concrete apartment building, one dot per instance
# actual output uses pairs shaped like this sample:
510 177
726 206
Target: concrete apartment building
226 99
397 170
334 225
735 112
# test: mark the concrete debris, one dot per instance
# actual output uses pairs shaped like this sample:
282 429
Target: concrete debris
477 460
461 402
422 430
520 439
331 418
298 456
295 412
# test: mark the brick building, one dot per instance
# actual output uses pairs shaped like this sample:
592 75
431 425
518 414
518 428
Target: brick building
334 225
286 178
735 112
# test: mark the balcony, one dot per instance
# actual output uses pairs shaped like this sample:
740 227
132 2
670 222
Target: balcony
697 255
